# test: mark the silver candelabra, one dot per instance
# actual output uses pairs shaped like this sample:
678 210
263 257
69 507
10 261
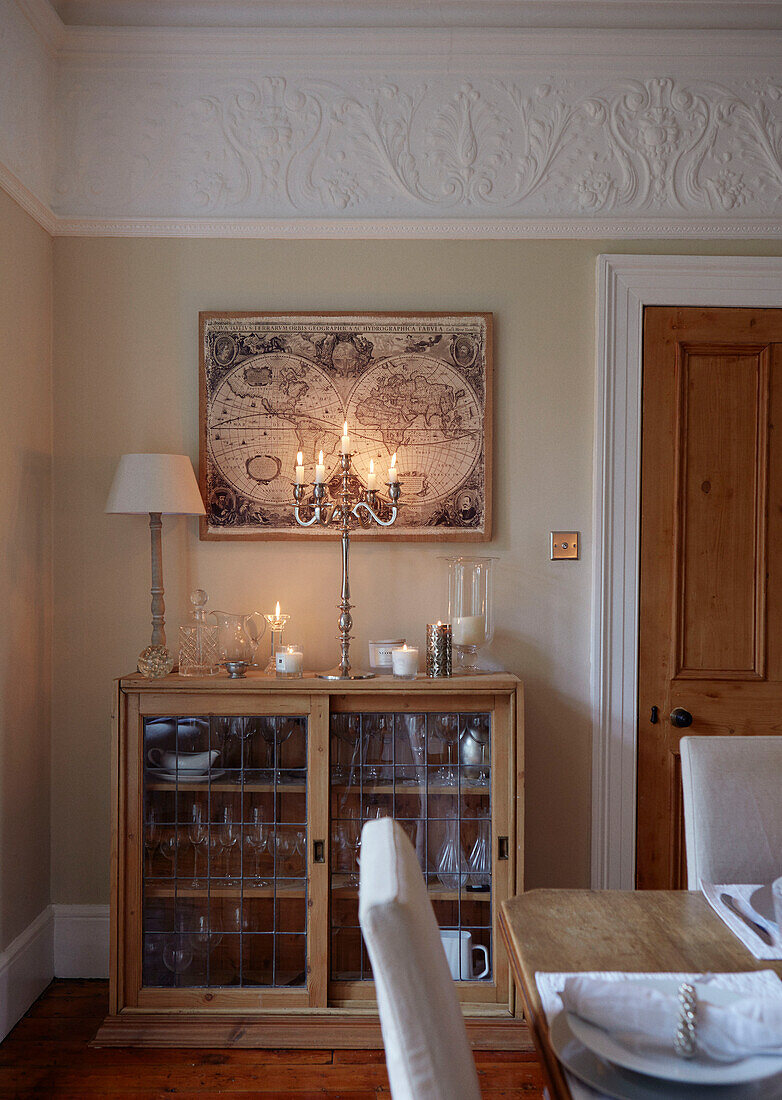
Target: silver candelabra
365 511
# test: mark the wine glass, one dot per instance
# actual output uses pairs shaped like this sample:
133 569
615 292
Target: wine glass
168 846
177 953
256 838
447 730
225 837
198 833
151 837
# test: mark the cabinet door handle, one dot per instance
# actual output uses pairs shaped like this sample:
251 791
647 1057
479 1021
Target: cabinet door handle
319 851
502 847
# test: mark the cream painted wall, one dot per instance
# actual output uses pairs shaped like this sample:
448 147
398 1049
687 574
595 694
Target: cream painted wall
126 361
25 568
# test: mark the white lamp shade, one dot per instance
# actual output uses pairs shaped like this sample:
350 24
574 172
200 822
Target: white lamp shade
155 483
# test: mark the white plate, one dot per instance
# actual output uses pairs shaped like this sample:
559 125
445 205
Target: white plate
623 1084
762 901
697 1070
185 776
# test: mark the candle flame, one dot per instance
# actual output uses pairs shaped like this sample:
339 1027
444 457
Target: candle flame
439 623
393 459
345 428
320 459
277 610
299 459
404 647
371 466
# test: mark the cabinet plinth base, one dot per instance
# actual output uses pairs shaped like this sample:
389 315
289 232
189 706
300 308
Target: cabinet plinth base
335 1030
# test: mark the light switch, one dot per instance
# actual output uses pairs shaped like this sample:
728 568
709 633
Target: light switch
564 545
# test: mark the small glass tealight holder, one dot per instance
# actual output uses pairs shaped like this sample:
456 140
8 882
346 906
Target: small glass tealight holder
404 662
289 662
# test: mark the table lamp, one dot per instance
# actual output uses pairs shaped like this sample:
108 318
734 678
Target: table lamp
155 485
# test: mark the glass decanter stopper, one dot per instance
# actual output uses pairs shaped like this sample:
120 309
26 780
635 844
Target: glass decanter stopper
199 654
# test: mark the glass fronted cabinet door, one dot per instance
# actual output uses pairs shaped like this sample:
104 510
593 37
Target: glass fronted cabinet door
227 858
437 772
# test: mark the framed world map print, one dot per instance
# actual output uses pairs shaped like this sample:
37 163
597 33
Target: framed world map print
414 385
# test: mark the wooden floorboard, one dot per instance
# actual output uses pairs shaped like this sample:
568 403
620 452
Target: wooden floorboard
48 1055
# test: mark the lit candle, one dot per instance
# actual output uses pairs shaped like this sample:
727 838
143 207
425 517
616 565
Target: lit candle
345 440
372 476
320 470
299 469
404 662
393 473
289 661
277 610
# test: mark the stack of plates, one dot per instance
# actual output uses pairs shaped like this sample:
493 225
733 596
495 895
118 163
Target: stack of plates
184 775
593 1056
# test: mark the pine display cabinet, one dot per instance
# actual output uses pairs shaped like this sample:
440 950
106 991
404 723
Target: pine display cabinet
237 814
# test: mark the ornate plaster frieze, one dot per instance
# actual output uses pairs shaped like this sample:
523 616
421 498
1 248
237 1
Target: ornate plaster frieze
656 148
432 132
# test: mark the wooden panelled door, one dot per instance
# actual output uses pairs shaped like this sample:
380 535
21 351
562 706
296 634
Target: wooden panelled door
710 643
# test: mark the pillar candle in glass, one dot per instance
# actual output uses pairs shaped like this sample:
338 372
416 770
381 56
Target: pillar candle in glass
289 660
404 662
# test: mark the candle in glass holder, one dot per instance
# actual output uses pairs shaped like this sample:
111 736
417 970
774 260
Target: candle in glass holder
404 662
289 660
345 441
320 470
393 473
299 469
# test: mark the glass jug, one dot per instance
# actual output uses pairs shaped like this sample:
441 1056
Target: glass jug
239 635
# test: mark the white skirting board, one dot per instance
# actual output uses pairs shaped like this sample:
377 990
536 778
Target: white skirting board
26 968
64 941
81 941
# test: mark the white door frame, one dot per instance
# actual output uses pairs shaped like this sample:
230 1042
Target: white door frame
625 285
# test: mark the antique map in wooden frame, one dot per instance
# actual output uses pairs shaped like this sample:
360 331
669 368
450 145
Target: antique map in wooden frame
418 384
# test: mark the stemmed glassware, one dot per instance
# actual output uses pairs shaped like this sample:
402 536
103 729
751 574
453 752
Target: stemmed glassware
225 837
168 846
198 833
447 729
151 837
256 837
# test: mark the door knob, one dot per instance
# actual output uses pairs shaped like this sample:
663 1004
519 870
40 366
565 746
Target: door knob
681 718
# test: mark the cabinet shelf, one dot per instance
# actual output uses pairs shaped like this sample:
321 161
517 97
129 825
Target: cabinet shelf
228 788
436 893
185 891
409 788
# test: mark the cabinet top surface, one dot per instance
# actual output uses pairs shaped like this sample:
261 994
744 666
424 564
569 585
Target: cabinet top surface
310 683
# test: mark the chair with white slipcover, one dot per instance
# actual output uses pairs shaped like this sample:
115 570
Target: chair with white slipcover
732 808
428 1055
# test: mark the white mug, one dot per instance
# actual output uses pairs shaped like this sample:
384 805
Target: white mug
190 762
459 950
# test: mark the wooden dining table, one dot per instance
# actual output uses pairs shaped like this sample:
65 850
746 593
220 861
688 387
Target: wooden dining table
563 931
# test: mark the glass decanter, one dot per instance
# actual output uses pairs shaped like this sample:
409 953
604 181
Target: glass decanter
199 653
450 857
479 859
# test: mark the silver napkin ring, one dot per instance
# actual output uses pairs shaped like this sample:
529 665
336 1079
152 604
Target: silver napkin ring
684 1044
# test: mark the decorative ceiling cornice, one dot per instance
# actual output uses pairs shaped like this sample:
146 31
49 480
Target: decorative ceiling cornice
434 132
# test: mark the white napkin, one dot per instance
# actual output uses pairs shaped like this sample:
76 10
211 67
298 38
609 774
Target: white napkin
645 1019
758 984
742 892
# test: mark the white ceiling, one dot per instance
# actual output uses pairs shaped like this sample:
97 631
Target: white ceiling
601 14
